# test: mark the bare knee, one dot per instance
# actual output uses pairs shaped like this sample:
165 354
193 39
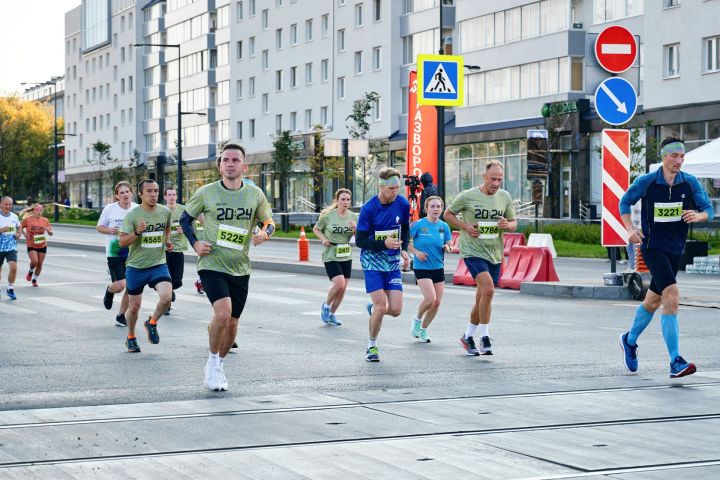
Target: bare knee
436 303
394 312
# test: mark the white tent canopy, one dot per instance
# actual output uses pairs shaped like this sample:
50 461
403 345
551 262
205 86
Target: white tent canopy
703 162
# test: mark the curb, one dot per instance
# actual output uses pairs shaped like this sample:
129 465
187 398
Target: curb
554 289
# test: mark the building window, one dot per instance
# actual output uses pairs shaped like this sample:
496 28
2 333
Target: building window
377 58
324 70
308 30
376 10
251 47
252 128
278 124
223 92
359 15
325 25
265 19
238 11
278 80
671 3
265 59
341 88
308 74
712 54
251 87
239 131
293 34
608 10
239 89
293 77
308 119
341 40
358 63
239 47
278 38
293 121
375 110
265 106
672 60
324 116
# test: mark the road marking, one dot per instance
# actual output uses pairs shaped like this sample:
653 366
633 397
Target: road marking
277 299
72 283
68 304
560 324
5 307
339 314
192 298
613 329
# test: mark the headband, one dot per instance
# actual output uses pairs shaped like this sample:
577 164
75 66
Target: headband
674 147
393 181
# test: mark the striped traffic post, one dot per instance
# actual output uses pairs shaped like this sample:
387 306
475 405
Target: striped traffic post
615 182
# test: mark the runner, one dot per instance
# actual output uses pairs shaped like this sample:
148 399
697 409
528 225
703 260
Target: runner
671 199
430 239
383 235
486 211
109 224
335 228
35 228
9 234
175 258
145 231
232 209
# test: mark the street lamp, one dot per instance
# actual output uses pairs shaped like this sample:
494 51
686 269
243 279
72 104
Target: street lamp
56 212
179 116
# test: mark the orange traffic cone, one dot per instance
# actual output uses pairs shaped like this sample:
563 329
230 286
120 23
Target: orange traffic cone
303 246
640 265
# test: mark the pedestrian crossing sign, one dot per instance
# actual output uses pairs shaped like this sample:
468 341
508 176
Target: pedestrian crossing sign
441 80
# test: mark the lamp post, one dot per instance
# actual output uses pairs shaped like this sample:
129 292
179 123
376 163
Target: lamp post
56 212
179 116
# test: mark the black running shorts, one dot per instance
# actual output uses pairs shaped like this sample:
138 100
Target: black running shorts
437 275
219 285
176 264
334 269
663 268
37 249
116 265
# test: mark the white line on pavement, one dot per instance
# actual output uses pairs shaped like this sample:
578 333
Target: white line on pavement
68 304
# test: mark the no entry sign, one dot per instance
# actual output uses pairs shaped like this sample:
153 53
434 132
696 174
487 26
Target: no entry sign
615 49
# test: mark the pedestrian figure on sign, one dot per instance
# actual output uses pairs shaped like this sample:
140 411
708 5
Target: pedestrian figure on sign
439 81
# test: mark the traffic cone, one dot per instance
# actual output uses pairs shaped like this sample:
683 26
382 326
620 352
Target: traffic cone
640 265
303 246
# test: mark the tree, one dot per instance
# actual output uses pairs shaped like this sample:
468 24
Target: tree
358 130
101 158
323 168
283 156
26 155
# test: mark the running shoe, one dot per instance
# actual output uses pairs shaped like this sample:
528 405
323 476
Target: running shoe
11 294
629 353
108 299
120 320
173 296
334 321
153 335
167 312
424 337
486 348
325 313
34 282
372 354
416 326
369 308
469 345
132 345
234 345
199 287
29 275
679 368
223 378
214 377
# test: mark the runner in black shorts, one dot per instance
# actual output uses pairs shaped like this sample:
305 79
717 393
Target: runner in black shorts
671 199
36 229
334 228
175 258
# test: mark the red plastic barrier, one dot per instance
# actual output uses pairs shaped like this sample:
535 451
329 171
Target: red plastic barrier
528 264
455 242
510 239
462 275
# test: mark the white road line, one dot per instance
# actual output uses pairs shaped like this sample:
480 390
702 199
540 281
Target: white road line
192 298
560 324
612 329
68 304
277 299
12 309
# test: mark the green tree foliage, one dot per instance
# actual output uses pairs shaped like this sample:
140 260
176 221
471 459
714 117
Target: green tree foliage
365 168
283 156
26 155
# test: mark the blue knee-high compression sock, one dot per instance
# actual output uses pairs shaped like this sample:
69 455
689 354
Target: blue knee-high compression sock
641 321
671 332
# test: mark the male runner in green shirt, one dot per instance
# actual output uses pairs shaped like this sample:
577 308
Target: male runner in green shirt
146 231
481 214
232 209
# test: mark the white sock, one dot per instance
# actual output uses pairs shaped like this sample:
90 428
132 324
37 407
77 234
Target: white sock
10 286
372 342
34 277
325 306
222 359
470 330
416 318
214 357
484 330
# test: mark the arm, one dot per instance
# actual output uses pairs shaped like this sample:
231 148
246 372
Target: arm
319 234
454 221
168 242
186 223
634 193
634 235
701 199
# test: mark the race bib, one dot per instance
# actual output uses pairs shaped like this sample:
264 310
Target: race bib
668 212
342 250
39 238
11 231
152 239
384 234
231 237
488 230
173 228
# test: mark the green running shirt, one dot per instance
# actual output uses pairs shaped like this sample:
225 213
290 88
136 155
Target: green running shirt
148 250
179 240
338 231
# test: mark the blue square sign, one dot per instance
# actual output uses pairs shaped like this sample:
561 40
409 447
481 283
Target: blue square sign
440 78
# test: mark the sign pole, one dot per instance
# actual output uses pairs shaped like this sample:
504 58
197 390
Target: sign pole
441 125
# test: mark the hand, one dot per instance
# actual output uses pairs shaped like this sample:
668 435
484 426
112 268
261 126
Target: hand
326 243
141 226
503 223
447 248
168 246
202 248
49 231
260 237
691 216
114 230
406 260
422 256
352 225
635 236
392 243
471 230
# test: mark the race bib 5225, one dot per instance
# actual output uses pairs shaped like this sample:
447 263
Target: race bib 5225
231 237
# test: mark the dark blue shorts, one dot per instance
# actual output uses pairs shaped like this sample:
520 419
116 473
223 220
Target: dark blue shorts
663 268
137 278
375 280
477 265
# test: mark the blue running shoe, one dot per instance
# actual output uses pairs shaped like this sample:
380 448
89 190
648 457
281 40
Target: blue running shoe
369 308
11 294
629 353
486 348
416 327
372 354
325 313
469 345
132 345
679 368
333 320
153 335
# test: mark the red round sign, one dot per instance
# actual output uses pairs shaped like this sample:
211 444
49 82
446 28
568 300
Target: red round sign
615 49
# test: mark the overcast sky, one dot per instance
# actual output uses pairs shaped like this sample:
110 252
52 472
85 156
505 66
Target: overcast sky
32 41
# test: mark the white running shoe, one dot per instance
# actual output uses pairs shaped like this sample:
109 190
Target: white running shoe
223 378
214 376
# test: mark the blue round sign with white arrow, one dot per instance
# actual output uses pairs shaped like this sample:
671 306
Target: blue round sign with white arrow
615 101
